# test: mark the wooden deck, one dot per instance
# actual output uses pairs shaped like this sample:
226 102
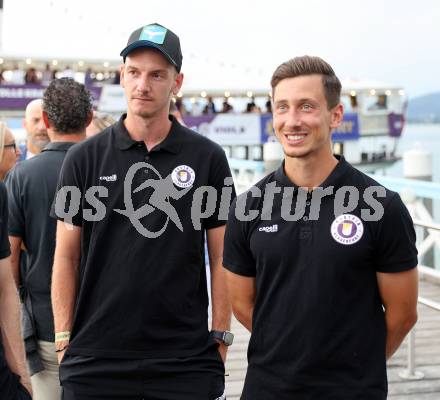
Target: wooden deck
427 357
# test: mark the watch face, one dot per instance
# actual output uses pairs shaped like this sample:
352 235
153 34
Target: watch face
228 338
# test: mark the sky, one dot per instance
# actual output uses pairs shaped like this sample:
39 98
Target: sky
239 43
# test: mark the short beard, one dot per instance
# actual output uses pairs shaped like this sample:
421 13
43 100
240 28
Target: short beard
40 144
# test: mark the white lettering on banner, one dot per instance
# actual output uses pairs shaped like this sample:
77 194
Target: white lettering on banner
233 129
18 93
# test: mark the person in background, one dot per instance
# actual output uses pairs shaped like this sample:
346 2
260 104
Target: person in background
209 107
99 122
46 75
268 105
88 78
250 106
226 106
36 131
67 110
17 76
31 76
14 378
9 151
176 113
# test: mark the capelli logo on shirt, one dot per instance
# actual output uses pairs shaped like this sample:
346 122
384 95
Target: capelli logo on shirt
269 229
111 178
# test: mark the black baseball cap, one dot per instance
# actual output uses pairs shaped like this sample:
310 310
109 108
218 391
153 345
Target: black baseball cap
157 37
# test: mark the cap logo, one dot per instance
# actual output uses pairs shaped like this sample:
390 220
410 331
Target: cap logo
347 229
153 33
183 176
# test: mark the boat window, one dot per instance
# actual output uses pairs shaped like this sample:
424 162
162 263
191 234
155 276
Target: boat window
350 103
377 103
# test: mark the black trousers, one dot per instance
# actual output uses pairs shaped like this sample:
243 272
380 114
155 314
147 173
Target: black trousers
23 394
193 378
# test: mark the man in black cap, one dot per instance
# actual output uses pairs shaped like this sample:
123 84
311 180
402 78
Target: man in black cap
129 286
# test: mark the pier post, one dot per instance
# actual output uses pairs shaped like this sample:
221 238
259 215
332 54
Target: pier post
417 164
410 373
272 156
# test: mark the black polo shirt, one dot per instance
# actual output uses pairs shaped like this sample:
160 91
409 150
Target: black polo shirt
141 296
318 323
8 381
31 188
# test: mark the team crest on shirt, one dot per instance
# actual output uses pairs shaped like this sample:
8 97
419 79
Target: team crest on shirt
183 176
347 229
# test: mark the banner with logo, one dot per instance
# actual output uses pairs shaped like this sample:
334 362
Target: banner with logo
228 129
349 128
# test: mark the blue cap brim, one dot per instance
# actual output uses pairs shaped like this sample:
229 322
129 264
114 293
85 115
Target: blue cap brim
146 43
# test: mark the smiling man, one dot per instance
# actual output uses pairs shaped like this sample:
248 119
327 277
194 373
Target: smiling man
129 291
327 299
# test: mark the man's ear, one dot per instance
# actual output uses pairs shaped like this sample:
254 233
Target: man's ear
337 115
177 83
121 74
46 120
89 118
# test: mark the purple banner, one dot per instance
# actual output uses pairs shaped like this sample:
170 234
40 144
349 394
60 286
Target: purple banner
195 122
17 97
349 128
396 123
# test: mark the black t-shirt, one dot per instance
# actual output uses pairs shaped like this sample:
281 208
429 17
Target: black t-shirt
8 381
31 188
318 323
141 296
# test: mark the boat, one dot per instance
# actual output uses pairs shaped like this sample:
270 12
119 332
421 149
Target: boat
374 119
368 136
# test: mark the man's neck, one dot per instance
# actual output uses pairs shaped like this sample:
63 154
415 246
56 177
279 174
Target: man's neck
151 131
310 171
32 149
70 137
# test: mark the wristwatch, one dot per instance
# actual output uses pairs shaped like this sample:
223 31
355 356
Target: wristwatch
225 337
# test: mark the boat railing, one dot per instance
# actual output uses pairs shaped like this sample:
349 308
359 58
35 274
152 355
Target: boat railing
372 124
426 273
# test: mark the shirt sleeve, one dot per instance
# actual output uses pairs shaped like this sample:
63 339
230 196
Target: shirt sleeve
5 249
67 205
237 255
14 186
219 171
396 240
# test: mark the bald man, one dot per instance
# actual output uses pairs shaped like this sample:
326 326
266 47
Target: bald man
33 123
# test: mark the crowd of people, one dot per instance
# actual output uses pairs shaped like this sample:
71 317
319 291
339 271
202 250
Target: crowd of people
18 76
114 300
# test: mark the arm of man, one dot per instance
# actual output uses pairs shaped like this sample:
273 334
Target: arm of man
242 292
221 308
16 243
65 278
10 325
399 293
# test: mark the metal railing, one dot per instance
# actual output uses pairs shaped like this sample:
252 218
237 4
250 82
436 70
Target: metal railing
410 373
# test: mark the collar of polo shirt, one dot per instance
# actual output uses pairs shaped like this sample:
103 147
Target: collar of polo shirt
171 143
